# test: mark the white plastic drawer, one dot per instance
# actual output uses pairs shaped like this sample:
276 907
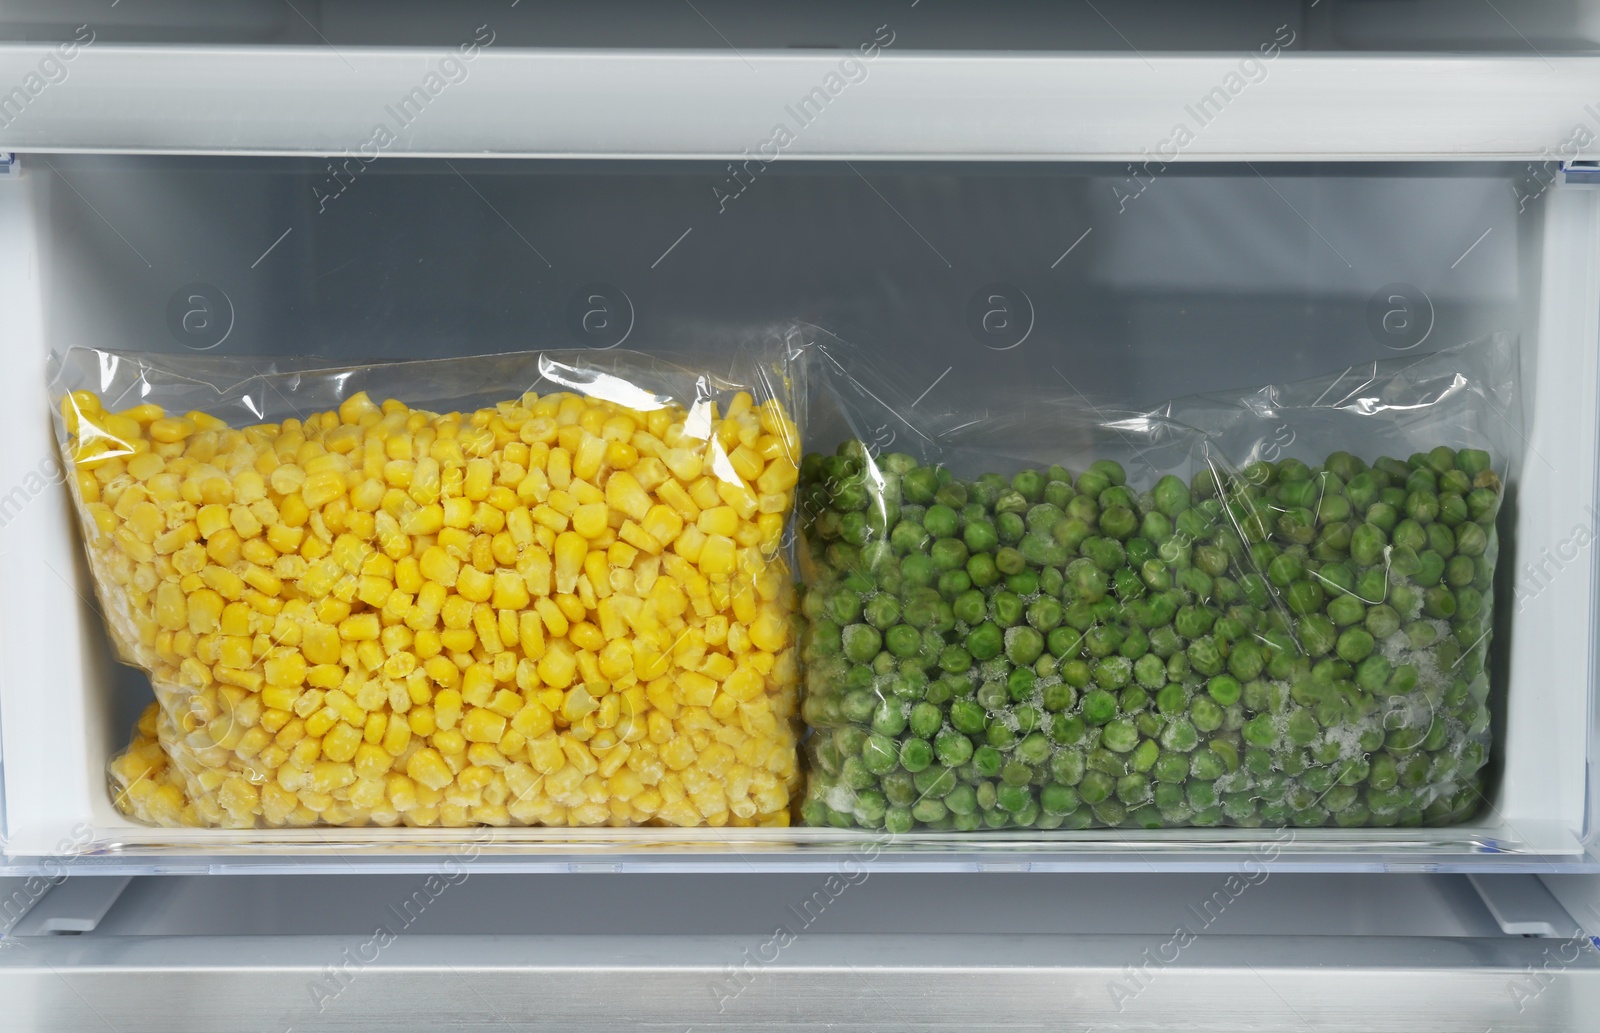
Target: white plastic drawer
1208 277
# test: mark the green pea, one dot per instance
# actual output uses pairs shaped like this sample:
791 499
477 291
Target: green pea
948 554
879 754
1346 610
1029 484
1153 527
1471 540
1150 671
1119 736
1058 799
1367 543
1205 714
1373 673
1196 582
985 641
1316 634
1194 621
1204 656
1422 506
1383 516
1165 641
1105 553
1225 689
844 606
1034 749
981 570
915 755
1067 729
902 640
1112 672
1006 609
1261 731
1013 799
1010 561
1429 568
1180 736
1023 584
919 485
987 761
1169 767
1064 642
1099 706
1301 727
1201 795
1482 505
861 642
952 583
882 611
1298 525
1305 597
1284 570
954 660
1102 640
1118 522
979 536
1076 673
1171 496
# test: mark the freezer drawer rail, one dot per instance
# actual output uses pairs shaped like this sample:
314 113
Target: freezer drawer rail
458 950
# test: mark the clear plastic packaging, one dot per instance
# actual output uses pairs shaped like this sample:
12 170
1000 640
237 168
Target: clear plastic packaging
555 596
1039 613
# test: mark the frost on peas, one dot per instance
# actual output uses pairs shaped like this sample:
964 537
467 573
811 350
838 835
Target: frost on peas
1293 645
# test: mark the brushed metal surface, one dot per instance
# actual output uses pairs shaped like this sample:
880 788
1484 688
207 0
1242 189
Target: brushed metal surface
968 983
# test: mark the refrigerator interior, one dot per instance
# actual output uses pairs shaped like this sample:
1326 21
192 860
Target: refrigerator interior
1111 26
1129 284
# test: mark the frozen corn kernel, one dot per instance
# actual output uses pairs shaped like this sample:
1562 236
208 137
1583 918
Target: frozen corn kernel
556 610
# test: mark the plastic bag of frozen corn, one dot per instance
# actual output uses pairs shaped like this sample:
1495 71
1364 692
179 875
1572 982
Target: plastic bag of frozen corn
528 589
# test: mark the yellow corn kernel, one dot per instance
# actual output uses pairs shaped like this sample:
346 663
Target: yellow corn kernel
720 520
589 521
428 767
482 725
569 553
717 557
474 585
169 429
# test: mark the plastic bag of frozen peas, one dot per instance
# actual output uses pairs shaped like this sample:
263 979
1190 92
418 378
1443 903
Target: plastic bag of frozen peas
1272 607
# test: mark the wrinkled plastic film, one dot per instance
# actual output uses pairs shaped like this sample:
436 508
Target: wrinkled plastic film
1269 607
528 589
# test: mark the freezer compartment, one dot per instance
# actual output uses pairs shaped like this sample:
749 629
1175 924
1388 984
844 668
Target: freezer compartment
1114 26
459 949
1135 284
